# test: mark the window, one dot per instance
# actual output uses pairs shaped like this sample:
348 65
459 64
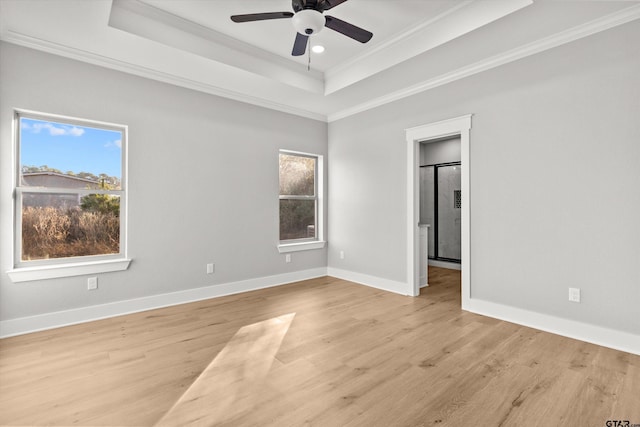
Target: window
70 200
300 201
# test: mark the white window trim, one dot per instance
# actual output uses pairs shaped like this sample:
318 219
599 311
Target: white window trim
27 274
72 266
296 245
301 246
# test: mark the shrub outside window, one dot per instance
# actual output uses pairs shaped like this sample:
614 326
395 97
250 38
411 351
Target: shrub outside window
298 197
70 200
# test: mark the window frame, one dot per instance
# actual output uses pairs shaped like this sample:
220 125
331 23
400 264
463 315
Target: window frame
68 266
306 243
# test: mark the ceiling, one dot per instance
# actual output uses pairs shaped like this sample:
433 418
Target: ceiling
417 44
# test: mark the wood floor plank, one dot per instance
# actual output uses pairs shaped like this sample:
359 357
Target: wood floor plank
351 356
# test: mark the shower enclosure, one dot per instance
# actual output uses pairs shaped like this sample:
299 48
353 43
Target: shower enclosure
440 206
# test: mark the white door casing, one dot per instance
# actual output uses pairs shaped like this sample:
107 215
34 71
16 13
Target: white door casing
414 136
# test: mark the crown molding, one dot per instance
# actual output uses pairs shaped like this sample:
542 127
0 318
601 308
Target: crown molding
449 25
149 22
392 43
138 70
578 32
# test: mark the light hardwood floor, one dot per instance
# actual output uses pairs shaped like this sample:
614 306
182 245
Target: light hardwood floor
322 352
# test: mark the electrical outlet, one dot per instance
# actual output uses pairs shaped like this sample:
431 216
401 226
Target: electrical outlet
211 268
92 283
341 254
287 258
574 294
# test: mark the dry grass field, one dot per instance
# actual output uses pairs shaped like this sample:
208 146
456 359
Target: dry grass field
49 232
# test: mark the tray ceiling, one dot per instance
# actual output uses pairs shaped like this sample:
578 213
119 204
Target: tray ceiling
417 44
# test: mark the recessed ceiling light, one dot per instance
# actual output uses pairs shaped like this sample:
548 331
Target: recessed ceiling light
318 48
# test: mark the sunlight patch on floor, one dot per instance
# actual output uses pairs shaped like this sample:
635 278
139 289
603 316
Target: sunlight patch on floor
230 381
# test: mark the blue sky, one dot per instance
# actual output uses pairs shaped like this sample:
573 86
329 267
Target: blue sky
70 147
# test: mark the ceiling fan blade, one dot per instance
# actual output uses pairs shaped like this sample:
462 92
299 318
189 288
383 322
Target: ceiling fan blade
261 16
328 4
348 30
300 45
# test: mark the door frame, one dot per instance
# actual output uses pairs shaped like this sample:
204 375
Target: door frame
458 126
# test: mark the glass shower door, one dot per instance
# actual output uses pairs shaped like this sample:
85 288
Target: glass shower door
449 218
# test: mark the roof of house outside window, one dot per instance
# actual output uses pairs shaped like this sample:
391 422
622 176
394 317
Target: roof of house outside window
57 180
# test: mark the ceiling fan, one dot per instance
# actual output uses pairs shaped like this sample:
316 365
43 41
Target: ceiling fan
308 19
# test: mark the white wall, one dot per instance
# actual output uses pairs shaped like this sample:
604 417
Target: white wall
203 181
555 169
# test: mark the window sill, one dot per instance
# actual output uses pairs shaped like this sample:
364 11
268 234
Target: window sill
27 274
302 246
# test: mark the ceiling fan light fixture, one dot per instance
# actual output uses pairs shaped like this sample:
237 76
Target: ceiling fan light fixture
308 22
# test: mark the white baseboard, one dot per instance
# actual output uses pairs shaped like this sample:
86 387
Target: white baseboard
618 340
371 281
25 325
445 264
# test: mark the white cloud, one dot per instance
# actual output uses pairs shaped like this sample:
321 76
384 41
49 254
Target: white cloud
54 130
76 131
116 143
36 128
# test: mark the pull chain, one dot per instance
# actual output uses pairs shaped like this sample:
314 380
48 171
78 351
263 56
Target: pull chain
309 50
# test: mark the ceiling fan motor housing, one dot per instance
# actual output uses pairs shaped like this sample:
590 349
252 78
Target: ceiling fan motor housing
308 22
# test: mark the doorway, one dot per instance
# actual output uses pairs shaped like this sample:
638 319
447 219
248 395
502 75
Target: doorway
441 199
460 126
440 208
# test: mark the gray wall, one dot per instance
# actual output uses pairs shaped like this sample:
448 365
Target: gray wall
203 181
444 151
555 169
